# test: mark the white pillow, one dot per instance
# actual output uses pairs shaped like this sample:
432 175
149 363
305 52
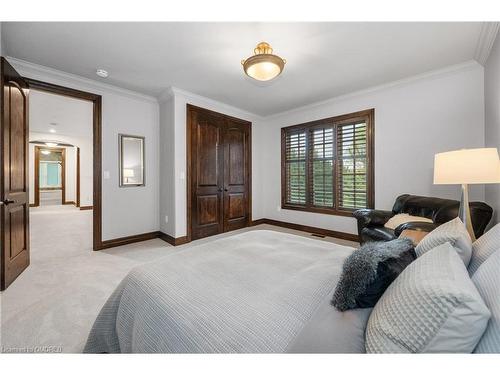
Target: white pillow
432 307
399 219
453 232
487 281
483 247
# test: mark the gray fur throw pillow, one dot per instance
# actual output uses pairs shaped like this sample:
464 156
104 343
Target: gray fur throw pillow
369 270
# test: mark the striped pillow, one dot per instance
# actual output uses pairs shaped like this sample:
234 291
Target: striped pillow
483 247
455 233
487 281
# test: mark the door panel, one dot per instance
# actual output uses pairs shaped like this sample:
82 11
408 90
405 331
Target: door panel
236 171
206 161
236 206
14 213
208 209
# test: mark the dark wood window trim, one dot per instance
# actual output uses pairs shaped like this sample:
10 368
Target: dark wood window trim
369 117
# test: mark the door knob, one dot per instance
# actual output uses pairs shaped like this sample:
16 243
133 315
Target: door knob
7 201
219 190
225 189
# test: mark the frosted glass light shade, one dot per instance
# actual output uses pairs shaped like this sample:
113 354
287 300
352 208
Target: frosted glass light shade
471 166
263 71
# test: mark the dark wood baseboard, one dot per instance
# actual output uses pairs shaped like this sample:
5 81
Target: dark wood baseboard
171 240
306 228
128 240
183 240
83 208
33 205
69 202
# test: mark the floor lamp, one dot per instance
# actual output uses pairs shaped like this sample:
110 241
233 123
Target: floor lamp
465 167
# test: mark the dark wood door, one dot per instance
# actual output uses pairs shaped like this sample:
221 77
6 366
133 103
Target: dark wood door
207 179
14 215
236 175
218 173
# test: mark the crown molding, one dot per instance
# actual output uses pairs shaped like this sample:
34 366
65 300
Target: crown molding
452 69
487 36
174 91
29 69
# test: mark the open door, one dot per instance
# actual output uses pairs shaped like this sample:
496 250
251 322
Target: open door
14 201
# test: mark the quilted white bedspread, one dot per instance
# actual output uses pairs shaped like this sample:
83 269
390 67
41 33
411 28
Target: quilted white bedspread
251 292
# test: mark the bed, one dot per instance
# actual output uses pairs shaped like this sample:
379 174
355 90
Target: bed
255 292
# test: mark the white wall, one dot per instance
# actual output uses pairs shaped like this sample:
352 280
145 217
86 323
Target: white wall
125 211
492 118
86 166
1 40
414 119
167 170
176 148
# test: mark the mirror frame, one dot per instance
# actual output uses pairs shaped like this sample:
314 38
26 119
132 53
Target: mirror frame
120 159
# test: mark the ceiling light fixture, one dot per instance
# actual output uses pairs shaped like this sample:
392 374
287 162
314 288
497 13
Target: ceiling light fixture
263 65
52 130
45 152
101 73
51 144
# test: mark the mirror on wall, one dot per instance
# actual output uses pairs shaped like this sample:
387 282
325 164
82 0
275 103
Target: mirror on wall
131 160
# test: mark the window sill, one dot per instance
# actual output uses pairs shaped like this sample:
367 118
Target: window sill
319 210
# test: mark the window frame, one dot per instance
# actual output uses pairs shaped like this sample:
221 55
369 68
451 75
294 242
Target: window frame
366 115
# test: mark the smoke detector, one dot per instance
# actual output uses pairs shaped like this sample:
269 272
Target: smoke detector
101 73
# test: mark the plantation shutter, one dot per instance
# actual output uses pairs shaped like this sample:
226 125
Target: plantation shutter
295 167
352 165
321 166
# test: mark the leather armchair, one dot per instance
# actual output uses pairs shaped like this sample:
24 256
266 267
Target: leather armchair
371 222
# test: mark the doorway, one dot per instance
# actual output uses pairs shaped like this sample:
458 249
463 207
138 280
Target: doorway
218 173
84 199
15 92
50 176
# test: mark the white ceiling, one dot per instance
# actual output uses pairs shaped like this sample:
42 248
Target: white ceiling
324 60
73 117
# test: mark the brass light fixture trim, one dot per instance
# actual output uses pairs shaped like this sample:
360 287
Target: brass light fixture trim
263 65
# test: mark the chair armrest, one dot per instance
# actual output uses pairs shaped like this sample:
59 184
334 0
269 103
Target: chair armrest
372 217
415 225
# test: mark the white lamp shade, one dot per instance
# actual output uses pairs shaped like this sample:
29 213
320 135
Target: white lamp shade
128 173
472 166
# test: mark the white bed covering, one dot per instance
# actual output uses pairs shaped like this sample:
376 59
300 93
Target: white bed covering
260 291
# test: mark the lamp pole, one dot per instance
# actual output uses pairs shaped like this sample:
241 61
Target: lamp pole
464 211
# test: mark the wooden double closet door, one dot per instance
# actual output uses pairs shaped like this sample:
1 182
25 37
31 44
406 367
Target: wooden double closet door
219 157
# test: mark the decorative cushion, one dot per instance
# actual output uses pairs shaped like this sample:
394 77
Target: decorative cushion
487 281
483 247
433 306
399 219
455 233
369 270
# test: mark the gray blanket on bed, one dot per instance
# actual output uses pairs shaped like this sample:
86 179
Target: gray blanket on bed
252 292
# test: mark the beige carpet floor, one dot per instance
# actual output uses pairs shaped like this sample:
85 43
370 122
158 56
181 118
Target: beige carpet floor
52 305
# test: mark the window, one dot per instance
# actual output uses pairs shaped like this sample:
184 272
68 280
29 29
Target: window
327 165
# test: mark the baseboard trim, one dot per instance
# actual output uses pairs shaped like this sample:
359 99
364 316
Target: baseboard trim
306 228
128 240
70 202
172 240
33 205
183 240
84 208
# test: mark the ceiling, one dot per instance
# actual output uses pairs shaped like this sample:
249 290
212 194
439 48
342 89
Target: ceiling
324 60
72 117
